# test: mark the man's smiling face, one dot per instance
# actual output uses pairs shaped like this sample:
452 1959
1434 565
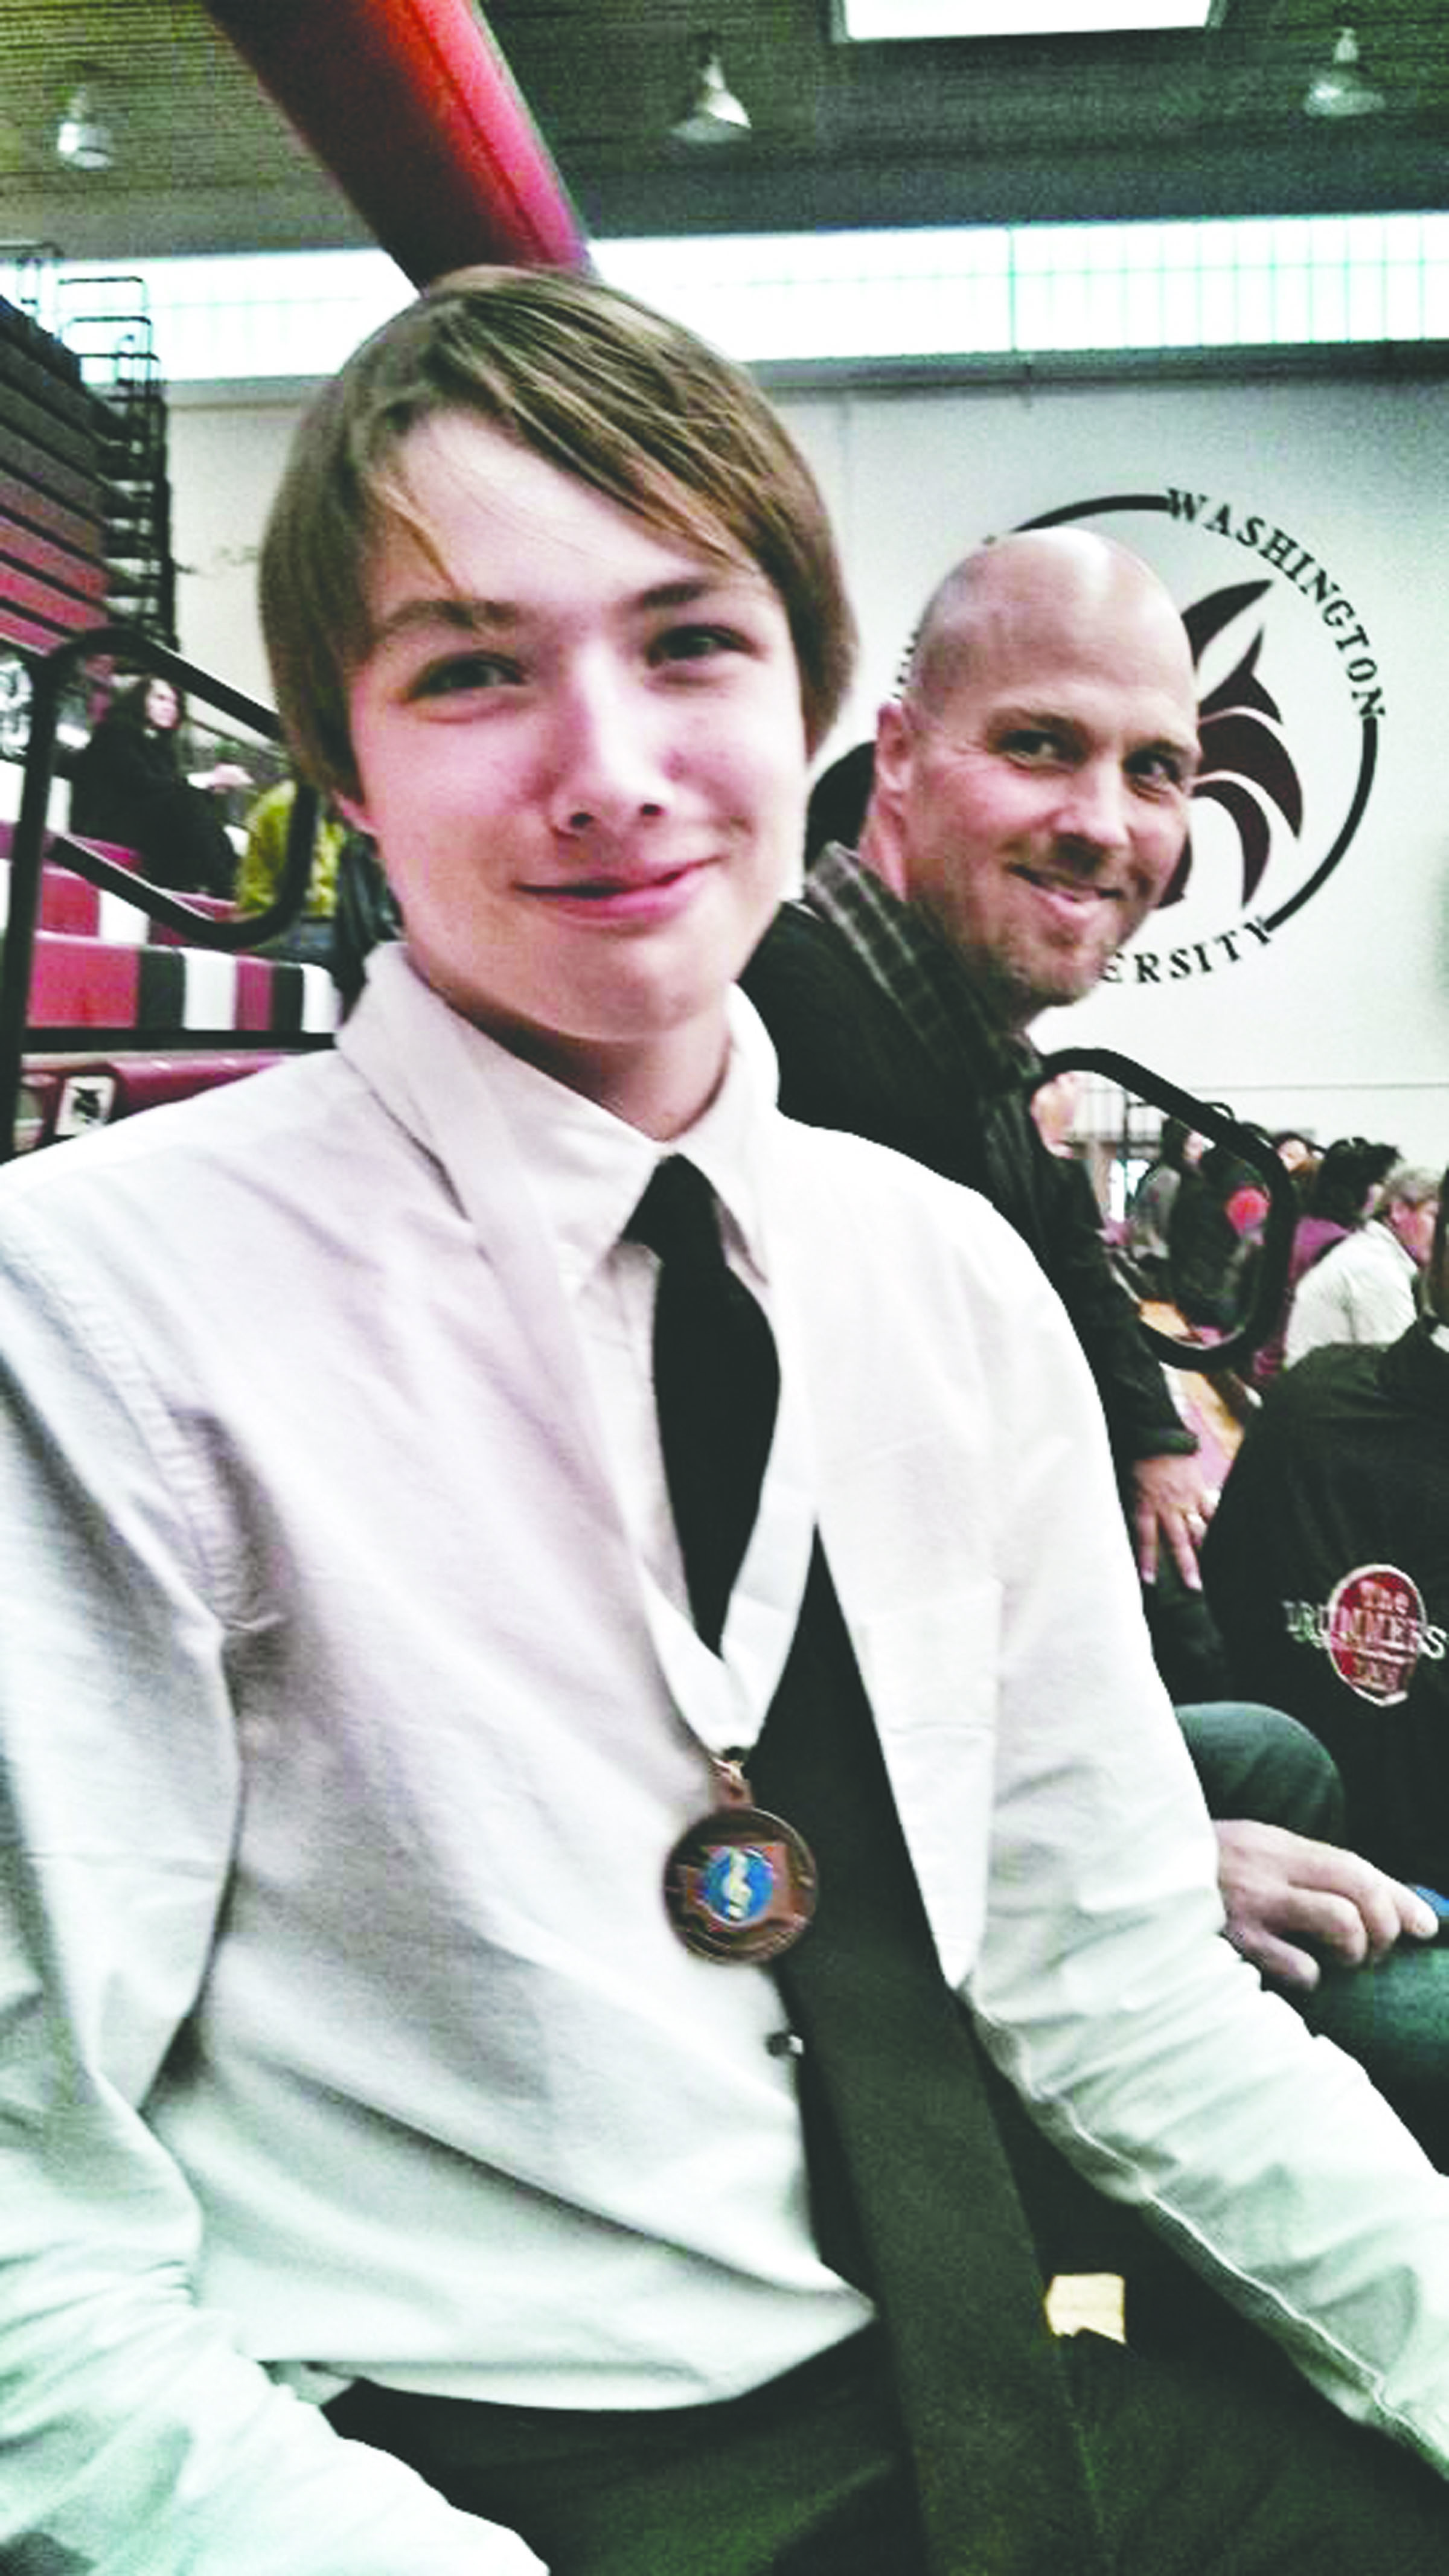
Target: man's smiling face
1037 795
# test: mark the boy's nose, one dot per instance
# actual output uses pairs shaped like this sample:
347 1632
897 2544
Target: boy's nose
611 767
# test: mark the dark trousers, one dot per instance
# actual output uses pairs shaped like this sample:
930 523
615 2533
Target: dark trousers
1394 2018
1195 2476
1259 1762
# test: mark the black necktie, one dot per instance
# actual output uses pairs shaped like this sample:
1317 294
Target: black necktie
911 2193
716 1386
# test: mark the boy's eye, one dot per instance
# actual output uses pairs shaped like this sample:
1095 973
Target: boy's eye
462 672
697 643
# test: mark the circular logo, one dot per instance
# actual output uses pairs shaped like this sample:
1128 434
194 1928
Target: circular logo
740 1884
736 1885
1291 698
1374 1632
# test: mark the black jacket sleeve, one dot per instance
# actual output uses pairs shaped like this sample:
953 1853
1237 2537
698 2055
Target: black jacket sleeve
850 1059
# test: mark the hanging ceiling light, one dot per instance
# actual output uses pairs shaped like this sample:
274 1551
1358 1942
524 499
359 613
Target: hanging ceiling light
1340 88
82 137
714 114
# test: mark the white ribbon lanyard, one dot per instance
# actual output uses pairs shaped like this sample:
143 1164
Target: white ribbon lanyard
724 1699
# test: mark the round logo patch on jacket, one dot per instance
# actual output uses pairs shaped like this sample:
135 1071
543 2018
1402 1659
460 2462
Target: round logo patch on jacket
1375 1632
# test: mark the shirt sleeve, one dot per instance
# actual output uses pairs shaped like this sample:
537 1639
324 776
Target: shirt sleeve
1145 2047
139 2440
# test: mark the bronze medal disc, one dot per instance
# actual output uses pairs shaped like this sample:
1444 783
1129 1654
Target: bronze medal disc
740 1885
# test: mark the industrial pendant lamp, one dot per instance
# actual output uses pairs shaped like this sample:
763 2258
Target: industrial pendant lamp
82 137
1340 88
714 115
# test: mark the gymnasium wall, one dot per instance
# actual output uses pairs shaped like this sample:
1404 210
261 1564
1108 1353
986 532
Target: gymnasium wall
1303 973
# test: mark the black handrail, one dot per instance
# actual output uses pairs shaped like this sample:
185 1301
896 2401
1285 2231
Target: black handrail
28 848
1250 1145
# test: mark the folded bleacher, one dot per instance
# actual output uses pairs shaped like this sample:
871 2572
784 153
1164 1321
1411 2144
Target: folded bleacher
122 1011
53 575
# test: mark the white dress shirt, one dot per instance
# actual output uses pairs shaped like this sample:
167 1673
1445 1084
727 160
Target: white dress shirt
349 1711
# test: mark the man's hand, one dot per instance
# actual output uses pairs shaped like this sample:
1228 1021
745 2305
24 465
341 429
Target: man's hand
1279 1889
1172 1501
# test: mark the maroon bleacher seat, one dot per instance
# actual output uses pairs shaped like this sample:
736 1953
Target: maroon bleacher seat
62 1096
166 993
124 1014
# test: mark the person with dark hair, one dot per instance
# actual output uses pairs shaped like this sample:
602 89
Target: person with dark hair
1339 1197
128 787
1212 1235
446 2123
1298 1155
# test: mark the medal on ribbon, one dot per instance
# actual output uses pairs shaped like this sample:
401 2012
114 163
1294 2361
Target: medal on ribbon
740 1884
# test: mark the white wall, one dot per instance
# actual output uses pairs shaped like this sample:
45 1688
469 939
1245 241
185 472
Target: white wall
1334 1012
1341 1020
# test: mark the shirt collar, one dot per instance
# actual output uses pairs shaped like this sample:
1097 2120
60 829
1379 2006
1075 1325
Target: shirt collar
1385 1234
586 1169
920 970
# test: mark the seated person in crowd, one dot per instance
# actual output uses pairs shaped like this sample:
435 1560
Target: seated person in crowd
404 2164
128 787
1338 1196
1213 1230
1144 1231
1298 1155
1026 807
1366 1288
1328 1569
308 939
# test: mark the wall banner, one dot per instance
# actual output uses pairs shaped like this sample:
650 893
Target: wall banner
1292 697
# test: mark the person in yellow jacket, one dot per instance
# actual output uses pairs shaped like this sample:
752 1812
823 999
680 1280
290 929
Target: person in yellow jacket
308 939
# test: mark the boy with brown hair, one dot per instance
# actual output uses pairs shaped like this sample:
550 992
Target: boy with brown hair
405 2166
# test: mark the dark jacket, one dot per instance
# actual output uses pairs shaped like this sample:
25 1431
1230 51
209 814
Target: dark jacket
850 1059
1327 1566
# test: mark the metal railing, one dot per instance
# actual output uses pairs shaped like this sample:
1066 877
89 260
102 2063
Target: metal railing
33 841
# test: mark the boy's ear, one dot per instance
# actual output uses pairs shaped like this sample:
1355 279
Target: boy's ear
353 811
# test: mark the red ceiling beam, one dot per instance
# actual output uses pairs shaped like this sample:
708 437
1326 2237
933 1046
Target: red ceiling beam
411 106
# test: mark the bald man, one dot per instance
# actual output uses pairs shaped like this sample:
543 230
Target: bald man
1029 808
